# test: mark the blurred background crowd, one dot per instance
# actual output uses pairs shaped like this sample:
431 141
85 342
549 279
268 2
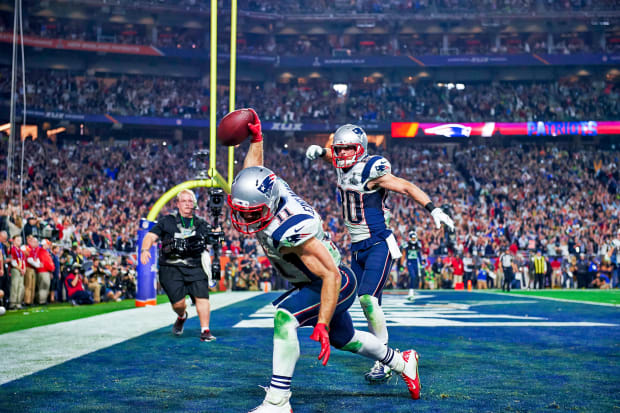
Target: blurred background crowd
68 222
83 201
140 95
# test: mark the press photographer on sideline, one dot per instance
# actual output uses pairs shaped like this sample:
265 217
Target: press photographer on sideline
184 237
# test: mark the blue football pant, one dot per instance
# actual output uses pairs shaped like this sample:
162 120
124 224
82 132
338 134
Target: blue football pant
304 303
372 269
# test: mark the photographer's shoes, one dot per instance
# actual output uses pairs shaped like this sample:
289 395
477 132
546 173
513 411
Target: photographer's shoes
177 328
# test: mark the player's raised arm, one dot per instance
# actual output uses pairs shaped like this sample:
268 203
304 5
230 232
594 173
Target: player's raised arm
319 261
315 151
255 152
402 186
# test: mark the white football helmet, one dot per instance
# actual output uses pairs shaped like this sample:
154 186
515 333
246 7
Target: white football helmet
254 196
349 136
413 236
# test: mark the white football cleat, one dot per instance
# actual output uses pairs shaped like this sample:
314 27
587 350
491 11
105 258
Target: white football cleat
274 403
410 373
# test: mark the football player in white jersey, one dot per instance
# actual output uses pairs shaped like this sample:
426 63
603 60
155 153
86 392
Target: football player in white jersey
291 234
363 185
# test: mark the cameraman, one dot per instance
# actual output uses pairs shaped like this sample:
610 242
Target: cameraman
183 236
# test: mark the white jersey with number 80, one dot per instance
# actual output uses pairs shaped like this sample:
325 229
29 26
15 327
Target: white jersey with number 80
363 209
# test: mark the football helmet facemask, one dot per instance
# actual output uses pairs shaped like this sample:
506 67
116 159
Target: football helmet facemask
254 197
348 136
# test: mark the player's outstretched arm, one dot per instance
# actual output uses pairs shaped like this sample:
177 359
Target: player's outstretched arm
402 186
315 151
254 156
319 261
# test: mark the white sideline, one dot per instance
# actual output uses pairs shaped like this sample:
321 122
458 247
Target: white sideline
28 351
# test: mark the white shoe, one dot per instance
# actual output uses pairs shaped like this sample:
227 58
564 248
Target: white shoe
275 403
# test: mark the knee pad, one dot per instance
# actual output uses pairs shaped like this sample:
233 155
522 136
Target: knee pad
284 324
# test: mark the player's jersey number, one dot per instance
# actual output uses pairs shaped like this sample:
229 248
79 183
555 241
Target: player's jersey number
352 208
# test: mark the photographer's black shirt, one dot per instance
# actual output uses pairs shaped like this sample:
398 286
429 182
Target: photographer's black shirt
174 226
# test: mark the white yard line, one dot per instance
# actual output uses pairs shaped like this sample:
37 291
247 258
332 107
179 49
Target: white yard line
28 351
560 299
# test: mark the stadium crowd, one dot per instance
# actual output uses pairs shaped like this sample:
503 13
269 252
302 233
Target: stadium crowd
392 43
82 201
320 45
141 95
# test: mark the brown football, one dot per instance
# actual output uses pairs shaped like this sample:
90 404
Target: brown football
233 128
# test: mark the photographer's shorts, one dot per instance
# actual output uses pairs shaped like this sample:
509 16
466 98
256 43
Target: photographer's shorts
179 281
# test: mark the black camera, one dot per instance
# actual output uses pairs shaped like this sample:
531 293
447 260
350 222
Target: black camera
216 200
215 237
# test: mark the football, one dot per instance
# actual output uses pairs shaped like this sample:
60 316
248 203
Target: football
233 128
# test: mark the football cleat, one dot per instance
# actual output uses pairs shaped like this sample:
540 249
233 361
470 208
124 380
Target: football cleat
274 403
410 373
177 328
379 373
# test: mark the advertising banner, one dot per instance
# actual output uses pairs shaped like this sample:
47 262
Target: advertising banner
41 42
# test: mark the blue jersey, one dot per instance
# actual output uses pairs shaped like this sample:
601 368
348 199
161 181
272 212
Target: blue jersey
295 222
412 251
363 209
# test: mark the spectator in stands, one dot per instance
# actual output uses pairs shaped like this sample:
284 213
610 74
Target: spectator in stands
31 227
124 244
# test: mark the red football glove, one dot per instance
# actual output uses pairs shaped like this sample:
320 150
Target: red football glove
321 335
255 128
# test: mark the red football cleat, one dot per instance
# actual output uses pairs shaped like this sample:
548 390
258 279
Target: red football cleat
410 373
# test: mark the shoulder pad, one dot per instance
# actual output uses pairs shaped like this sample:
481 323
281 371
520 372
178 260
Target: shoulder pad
375 167
296 230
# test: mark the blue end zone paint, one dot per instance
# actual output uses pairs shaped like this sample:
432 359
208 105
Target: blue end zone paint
462 368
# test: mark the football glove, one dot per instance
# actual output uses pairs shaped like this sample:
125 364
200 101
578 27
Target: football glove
441 217
315 151
321 335
255 128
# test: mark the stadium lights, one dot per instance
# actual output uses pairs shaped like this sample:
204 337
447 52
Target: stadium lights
340 88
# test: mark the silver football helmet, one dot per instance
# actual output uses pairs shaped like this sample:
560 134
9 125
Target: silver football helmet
254 197
348 136
413 236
